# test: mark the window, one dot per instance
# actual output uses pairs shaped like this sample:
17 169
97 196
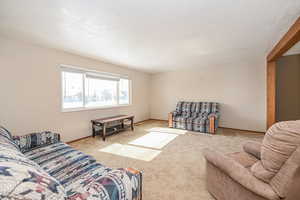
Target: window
82 89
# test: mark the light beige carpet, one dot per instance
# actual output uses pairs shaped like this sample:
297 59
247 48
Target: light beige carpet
178 171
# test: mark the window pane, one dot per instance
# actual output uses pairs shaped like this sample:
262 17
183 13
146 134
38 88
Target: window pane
124 91
100 92
72 90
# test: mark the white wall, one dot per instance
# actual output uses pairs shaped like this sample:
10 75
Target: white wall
240 88
30 91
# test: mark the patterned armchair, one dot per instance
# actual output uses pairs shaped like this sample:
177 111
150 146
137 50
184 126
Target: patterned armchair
195 116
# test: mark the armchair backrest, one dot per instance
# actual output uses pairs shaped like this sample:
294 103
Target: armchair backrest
288 177
197 107
280 157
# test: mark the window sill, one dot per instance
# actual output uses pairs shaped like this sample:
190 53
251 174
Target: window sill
93 108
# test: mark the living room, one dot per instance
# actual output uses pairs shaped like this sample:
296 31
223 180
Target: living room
153 100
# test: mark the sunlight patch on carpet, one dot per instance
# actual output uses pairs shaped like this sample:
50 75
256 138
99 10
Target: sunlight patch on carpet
167 130
131 151
155 140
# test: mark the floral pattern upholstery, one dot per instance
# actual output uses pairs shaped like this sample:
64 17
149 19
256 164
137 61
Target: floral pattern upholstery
39 166
22 178
83 177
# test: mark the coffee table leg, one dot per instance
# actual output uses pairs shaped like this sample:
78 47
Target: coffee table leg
122 124
132 124
104 132
94 131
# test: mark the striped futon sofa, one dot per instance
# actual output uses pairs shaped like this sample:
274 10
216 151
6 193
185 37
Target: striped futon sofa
40 167
195 116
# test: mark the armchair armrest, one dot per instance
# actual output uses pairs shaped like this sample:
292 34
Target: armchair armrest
216 115
240 174
36 140
252 148
170 118
213 121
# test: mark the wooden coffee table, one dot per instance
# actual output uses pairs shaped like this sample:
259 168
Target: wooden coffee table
103 122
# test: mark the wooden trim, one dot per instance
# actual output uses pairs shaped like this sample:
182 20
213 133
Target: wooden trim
170 116
219 127
76 140
163 120
167 122
286 42
141 122
236 129
271 93
212 125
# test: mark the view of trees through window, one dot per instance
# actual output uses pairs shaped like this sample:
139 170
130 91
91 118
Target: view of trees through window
82 90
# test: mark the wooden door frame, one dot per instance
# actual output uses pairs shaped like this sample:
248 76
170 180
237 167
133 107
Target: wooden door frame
285 43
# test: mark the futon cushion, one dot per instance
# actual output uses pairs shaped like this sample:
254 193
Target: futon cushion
62 161
36 140
4 132
8 143
82 177
21 178
280 141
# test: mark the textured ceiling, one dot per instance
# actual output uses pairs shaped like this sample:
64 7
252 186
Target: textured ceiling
152 36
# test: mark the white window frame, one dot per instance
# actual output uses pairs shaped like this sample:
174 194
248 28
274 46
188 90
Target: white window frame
85 72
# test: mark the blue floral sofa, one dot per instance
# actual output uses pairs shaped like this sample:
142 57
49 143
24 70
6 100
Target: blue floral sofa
195 116
40 167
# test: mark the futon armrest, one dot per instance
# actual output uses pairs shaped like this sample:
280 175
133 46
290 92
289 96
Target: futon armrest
253 148
138 176
36 140
240 174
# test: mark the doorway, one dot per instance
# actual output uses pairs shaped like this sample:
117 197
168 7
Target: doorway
288 88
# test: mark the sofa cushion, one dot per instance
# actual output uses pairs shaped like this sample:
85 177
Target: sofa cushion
280 141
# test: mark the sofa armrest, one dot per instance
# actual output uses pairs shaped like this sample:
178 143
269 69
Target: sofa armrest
252 148
240 174
36 140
